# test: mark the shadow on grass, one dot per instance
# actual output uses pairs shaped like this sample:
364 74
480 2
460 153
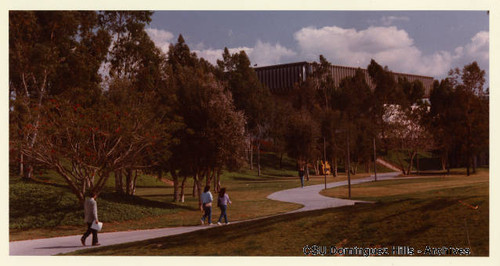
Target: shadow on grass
263 178
141 202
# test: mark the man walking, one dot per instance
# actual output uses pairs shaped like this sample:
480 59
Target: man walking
301 174
90 206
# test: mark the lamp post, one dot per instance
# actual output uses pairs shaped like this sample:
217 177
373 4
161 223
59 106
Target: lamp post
324 158
348 165
375 158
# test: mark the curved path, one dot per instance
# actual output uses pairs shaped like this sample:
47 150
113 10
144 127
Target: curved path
308 196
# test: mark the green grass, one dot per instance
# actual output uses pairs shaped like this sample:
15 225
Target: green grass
412 212
47 203
426 160
38 206
430 217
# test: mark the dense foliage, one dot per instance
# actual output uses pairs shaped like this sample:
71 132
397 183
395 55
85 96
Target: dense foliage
92 97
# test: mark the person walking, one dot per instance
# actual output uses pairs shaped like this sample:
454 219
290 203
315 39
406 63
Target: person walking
206 201
90 207
301 174
222 201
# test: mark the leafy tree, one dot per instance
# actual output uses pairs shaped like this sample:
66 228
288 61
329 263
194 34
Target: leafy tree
214 130
250 96
278 127
85 144
407 133
355 103
135 60
459 115
386 92
439 120
50 53
302 135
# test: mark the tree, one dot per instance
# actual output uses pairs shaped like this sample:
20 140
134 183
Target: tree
355 103
50 53
135 60
213 137
250 97
406 132
302 136
439 121
459 115
385 92
85 144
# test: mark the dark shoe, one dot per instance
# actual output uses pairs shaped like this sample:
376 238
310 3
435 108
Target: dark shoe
83 241
96 244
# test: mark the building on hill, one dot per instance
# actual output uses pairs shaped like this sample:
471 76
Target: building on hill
280 79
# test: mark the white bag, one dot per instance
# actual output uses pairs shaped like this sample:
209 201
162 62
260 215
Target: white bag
96 226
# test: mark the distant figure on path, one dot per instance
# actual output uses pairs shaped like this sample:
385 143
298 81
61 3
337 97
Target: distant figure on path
301 174
222 202
90 207
206 200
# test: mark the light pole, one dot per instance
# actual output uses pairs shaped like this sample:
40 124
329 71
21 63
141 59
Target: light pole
324 158
348 164
375 158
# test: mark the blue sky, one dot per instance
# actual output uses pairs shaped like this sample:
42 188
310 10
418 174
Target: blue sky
418 42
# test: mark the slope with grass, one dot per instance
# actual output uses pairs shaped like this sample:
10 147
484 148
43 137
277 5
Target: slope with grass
47 208
419 216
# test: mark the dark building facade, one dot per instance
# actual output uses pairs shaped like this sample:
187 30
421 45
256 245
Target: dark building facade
281 78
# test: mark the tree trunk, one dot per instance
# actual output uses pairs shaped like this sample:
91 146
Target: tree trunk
307 170
195 186
354 168
134 183
21 164
335 167
258 159
175 179
200 190
118 182
410 165
251 155
281 160
444 162
128 181
474 163
28 173
218 185
468 163
183 185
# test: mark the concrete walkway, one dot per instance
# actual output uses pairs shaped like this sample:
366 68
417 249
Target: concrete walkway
308 197
311 199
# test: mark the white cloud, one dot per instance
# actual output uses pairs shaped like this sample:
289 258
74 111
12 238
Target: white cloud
212 55
388 46
389 20
161 38
261 54
265 53
477 49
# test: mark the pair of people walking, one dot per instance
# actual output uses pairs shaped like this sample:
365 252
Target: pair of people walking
222 202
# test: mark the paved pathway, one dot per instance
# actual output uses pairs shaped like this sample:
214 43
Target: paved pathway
307 196
311 199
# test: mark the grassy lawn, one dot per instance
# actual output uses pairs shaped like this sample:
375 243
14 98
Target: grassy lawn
418 213
46 207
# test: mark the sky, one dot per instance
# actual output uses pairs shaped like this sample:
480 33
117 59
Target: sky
418 42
